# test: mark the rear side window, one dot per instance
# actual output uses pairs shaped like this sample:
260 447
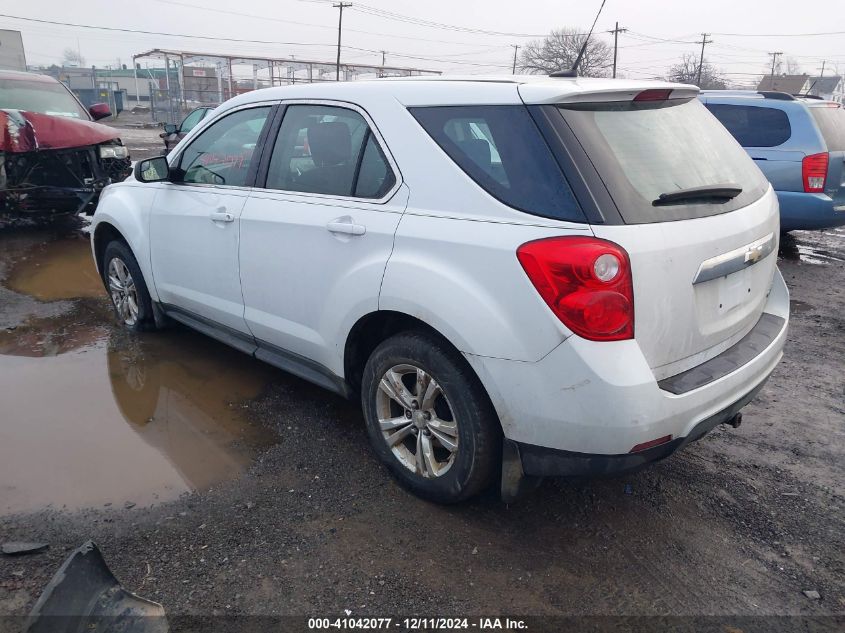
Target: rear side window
831 122
644 149
502 150
753 126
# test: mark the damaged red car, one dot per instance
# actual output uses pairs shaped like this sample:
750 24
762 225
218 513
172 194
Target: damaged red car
53 158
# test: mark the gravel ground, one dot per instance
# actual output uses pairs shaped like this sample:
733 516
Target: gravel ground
741 523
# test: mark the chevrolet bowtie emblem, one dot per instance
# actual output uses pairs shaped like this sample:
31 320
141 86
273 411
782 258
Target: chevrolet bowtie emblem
753 255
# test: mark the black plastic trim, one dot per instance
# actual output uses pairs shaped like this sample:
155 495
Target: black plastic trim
302 367
267 352
231 337
744 351
586 184
540 461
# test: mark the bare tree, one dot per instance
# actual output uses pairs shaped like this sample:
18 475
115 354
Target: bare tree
70 57
559 50
792 66
686 72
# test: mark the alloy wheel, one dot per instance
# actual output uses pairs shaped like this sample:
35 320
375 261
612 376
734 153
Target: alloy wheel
123 292
417 421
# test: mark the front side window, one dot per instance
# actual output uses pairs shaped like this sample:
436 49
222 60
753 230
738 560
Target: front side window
328 150
502 150
222 154
753 126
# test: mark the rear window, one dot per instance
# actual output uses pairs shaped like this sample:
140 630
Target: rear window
831 122
644 149
753 126
502 150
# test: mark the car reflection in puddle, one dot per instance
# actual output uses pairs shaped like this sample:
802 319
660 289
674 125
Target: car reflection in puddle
793 248
124 419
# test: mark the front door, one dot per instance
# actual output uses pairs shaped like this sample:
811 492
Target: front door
194 220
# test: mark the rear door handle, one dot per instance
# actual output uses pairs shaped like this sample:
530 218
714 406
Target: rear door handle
221 216
346 226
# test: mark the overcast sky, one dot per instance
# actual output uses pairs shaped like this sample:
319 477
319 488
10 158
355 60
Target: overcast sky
312 24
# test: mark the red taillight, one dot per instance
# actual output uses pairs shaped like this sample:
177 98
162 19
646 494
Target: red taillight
653 94
586 282
814 172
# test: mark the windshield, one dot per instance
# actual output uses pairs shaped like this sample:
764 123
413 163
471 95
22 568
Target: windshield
40 96
643 150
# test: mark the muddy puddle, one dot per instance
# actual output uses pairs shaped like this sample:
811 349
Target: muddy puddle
93 416
58 269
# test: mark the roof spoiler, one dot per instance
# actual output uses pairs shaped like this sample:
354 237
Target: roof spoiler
775 94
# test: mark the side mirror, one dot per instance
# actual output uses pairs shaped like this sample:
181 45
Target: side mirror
99 111
170 128
153 169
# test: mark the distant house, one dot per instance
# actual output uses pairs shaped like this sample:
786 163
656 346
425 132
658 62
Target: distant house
831 88
790 84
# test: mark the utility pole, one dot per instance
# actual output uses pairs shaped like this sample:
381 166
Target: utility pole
515 49
383 57
341 6
616 33
822 75
774 62
704 41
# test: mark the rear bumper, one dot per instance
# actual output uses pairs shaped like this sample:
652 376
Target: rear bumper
539 461
807 211
602 399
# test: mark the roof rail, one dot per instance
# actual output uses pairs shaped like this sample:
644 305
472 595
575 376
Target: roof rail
774 94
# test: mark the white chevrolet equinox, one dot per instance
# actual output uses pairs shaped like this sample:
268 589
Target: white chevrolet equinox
519 277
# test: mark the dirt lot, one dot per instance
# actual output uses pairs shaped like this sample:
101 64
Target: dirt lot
217 485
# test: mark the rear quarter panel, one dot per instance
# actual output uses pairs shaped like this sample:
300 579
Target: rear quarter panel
463 278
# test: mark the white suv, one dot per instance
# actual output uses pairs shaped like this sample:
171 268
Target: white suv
522 276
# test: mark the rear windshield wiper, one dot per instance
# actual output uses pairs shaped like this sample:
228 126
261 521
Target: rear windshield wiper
708 193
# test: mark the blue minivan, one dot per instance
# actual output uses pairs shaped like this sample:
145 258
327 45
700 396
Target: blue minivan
798 143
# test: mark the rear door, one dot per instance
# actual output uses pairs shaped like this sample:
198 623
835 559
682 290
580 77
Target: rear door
702 266
830 118
316 236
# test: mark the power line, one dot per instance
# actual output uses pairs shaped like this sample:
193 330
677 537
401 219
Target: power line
143 32
310 24
780 34
390 15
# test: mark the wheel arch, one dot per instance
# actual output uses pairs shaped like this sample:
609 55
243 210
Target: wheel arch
373 328
104 233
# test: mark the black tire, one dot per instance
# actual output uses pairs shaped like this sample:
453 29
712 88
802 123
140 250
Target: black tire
477 460
145 319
